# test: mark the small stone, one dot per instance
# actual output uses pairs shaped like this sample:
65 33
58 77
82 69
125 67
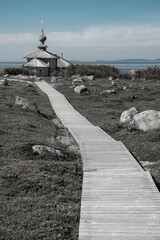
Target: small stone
75 76
4 82
109 91
91 77
133 97
110 78
113 84
77 82
66 140
57 122
74 149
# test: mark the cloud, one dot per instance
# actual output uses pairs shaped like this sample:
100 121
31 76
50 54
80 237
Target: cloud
108 36
92 42
16 39
104 36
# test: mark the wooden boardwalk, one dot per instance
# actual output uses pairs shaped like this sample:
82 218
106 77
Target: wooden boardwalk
119 199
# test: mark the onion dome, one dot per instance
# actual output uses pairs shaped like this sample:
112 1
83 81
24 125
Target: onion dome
42 39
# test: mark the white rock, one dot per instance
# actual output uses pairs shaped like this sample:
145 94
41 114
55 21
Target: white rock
91 77
147 120
42 149
128 115
25 103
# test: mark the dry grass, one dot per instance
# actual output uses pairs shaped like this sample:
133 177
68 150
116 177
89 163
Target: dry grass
40 194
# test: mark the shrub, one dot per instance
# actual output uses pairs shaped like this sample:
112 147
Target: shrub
57 73
16 71
126 75
28 72
12 71
149 73
99 71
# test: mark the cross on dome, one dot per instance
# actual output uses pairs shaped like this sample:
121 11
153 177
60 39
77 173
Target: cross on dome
42 22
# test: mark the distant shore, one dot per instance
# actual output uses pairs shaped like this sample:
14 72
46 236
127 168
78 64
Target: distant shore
123 65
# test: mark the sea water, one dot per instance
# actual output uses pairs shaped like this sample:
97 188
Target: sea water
124 67
11 64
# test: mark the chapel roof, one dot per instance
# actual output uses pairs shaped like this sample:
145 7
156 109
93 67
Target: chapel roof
62 63
36 63
41 54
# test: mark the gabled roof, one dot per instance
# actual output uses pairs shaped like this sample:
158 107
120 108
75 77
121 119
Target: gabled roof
62 63
41 54
36 63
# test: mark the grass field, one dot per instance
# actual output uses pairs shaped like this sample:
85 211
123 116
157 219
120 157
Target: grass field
105 110
40 194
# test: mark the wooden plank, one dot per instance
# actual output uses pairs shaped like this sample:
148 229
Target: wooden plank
120 201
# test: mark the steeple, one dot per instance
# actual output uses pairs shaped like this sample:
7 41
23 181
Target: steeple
42 39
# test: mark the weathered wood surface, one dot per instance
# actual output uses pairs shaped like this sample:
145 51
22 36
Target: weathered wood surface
119 199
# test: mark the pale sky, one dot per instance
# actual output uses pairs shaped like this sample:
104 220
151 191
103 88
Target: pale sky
81 29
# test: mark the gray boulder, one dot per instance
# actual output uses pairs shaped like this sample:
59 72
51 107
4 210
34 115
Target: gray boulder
26 104
128 115
81 89
147 120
